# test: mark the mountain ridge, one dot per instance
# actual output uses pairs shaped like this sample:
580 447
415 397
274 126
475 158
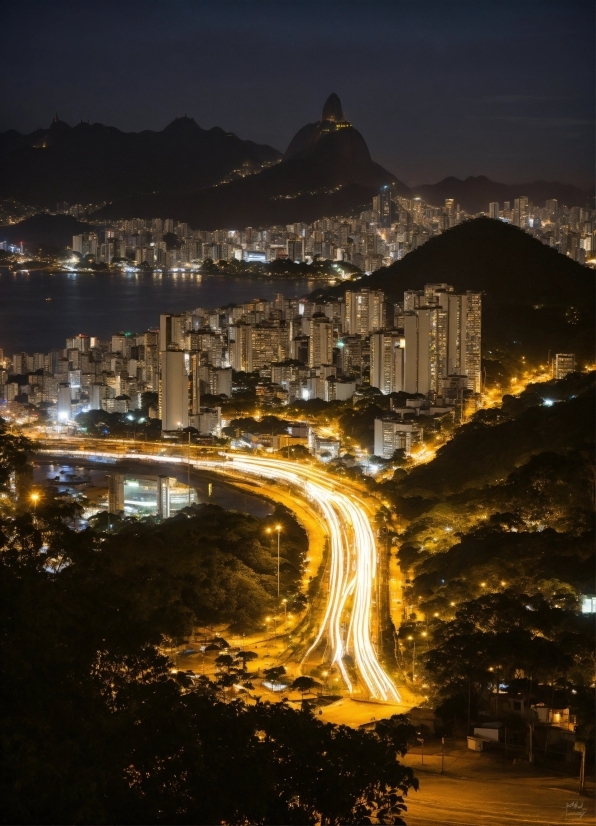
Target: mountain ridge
474 193
94 163
212 179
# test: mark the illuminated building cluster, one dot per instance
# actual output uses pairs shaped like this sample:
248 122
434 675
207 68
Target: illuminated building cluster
379 236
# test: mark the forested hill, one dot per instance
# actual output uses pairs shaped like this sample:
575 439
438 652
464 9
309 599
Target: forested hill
535 299
499 546
556 416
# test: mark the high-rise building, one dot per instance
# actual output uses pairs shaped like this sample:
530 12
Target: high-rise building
365 312
163 497
320 341
238 344
552 207
387 351
493 210
263 346
195 377
115 493
521 211
563 364
64 403
173 391
171 331
442 338
295 250
353 350
385 207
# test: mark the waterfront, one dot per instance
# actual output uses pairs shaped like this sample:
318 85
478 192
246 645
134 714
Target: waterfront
39 310
88 476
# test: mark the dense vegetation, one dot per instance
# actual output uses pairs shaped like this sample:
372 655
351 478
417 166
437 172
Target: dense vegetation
95 726
499 547
280 268
216 566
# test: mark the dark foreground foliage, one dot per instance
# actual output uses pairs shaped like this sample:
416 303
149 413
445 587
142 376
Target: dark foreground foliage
499 547
95 727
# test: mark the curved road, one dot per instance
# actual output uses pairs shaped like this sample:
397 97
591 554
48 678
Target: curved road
346 622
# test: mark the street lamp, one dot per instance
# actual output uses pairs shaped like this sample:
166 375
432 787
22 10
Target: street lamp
34 499
284 602
278 529
188 468
413 658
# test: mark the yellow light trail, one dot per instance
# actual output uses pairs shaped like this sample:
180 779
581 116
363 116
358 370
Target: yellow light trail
351 536
353 557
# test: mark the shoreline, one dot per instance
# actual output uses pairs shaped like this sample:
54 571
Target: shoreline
178 271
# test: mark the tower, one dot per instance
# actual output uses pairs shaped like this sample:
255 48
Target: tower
173 391
387 361
320 342
385 207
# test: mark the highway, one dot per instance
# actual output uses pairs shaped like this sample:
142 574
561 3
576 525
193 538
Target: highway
346 621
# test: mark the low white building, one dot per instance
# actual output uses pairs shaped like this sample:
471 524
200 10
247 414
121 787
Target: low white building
391 435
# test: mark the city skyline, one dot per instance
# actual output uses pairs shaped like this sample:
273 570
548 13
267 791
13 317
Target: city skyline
297 372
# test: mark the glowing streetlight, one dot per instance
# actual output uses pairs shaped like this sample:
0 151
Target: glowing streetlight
278 529
34 499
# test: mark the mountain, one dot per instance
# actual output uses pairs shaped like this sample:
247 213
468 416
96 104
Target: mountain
326 170
179 173
475 194
92 163
534 298
45 230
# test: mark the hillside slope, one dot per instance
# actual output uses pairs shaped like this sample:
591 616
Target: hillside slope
534 299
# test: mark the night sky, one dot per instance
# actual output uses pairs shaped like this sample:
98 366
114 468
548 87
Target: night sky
504 89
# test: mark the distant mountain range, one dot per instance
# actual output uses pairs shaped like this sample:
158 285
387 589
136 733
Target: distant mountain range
213 179
534 298
92 163
475 194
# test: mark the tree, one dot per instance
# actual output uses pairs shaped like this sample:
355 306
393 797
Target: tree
304 685
224 661
273 674
245 657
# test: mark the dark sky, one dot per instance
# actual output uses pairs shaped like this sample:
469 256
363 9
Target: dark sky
437 88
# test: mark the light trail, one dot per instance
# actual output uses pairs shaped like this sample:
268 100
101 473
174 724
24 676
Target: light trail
353 557
346 520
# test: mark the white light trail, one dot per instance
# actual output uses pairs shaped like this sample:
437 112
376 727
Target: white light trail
353 557
346 520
